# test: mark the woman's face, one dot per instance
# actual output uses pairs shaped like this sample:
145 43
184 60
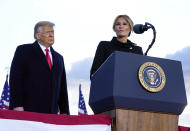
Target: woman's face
122 27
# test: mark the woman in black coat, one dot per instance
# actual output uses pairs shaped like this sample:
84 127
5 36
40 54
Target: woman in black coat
122 26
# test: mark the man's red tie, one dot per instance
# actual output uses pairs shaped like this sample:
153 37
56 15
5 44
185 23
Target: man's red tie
48 58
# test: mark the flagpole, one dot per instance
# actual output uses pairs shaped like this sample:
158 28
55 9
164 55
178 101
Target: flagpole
7 69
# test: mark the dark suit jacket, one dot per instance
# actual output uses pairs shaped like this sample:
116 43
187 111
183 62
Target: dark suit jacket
106 48
33 85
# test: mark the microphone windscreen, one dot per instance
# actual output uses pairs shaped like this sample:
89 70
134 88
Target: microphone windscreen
138 28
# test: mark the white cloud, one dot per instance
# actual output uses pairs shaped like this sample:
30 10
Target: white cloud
80 69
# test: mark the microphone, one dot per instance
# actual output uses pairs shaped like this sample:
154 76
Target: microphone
140 28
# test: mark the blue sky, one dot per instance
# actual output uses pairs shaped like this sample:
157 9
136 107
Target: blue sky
80 25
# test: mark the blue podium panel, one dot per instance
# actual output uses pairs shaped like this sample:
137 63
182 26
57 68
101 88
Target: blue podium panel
116 85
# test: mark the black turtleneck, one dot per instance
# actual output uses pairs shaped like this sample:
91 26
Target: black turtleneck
106 48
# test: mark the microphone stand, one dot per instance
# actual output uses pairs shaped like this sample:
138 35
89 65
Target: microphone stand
148 26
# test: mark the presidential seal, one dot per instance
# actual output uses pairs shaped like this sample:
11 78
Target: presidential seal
152 77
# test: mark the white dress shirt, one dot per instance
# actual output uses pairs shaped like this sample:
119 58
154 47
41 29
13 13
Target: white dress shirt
43 49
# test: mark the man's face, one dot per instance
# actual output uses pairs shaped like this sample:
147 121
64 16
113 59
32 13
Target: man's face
46 35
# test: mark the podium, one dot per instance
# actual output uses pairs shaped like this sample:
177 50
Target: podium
117 90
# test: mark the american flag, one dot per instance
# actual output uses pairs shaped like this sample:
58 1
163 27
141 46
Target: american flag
82 107
30 121
4 101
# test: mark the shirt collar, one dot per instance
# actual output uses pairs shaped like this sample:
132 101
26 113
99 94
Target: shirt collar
43 47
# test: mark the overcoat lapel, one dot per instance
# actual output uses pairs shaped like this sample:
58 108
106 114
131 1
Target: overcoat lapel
41 55
55 59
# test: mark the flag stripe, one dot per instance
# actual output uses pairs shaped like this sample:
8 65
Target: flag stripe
55 119
21 125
